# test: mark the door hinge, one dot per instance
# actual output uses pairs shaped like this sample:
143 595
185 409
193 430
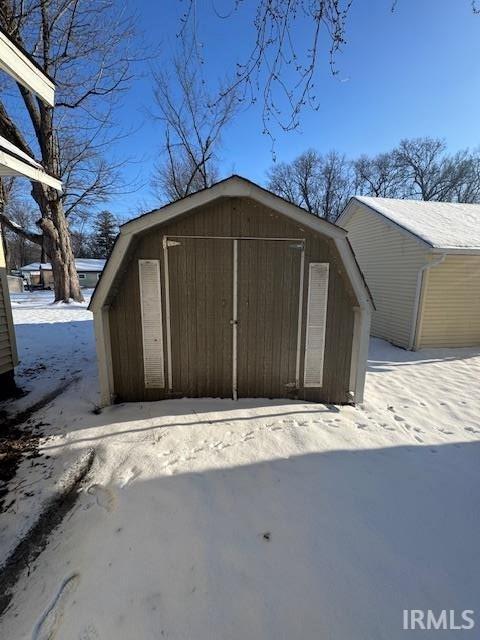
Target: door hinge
170 243
299 245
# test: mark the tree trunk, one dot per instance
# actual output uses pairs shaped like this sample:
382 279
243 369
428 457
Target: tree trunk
43 254
59 249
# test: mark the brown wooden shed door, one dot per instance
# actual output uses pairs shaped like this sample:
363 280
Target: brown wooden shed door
201 298
268 307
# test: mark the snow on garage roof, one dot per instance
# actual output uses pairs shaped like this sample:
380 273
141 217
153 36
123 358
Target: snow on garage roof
81 264
443 225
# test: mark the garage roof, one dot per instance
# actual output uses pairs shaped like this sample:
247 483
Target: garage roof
442 225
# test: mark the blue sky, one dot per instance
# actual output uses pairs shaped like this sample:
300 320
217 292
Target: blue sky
413 72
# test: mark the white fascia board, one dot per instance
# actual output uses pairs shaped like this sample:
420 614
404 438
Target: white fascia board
12 166
21 69
9 147
455 251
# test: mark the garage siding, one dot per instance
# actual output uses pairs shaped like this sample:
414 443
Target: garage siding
450 312
390 261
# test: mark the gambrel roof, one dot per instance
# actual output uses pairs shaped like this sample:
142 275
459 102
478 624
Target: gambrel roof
234 186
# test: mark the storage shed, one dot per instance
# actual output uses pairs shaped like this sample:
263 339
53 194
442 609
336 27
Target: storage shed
421 261
231 292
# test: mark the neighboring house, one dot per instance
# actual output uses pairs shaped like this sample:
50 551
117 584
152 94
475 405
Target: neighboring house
14 162
232 292
40 274
422 264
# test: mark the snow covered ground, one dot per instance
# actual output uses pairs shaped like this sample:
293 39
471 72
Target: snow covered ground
214 519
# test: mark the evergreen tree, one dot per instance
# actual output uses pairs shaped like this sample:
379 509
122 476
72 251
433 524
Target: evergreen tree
105 230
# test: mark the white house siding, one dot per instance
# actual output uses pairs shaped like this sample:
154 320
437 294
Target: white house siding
8 352
390 261
450 312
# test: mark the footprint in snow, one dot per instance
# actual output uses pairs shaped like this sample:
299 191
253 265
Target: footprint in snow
104 496
472 430
361 425
89 633
130 475
51 619
398 418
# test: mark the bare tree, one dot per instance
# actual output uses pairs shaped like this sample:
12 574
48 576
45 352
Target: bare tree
281 63
299 181
430 172
335 185
84 47
320 184
378 176
469 190
193 122
290 40
21 212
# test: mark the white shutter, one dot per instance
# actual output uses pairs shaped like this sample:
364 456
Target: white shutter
316 324
152 332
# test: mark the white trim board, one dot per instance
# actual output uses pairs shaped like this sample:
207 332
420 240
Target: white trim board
11 165
22 70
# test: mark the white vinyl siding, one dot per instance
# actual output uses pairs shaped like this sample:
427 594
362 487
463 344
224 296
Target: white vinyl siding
450 312
8 351
152 330
390 261
316 324
6 361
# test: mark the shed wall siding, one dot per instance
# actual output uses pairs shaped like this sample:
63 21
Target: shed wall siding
230 217
390 262
450 315
8 357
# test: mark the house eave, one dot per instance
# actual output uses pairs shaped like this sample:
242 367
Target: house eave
24 71
13 165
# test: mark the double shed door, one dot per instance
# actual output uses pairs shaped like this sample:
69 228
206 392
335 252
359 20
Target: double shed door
234 316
